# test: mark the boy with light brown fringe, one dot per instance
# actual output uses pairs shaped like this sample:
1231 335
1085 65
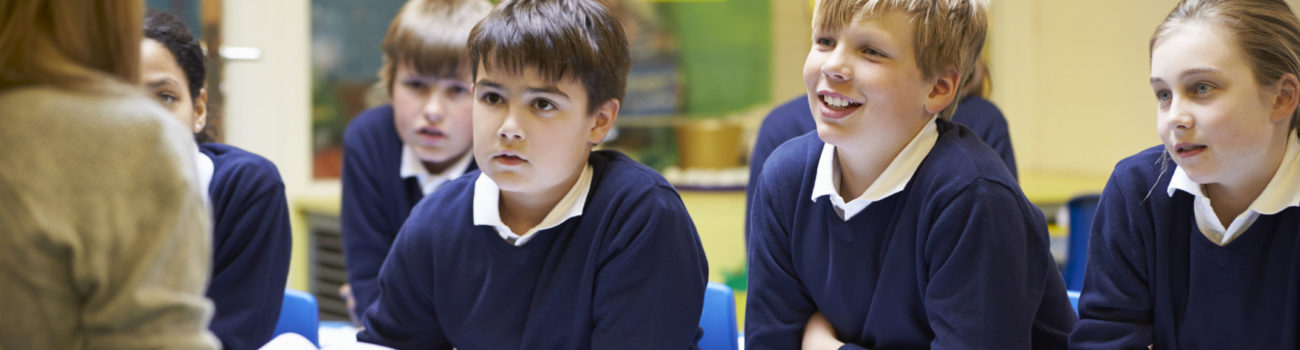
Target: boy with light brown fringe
892 227
396 154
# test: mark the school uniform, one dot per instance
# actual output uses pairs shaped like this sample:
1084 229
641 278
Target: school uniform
1163 270
795 118
251 243
942 251
617 264
382 181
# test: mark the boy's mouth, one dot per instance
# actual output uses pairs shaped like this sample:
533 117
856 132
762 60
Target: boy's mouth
839 103
835 106
509 158
430 132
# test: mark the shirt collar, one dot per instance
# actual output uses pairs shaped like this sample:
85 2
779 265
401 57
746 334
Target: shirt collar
487 210
205 169
1283 190
892 180
413 167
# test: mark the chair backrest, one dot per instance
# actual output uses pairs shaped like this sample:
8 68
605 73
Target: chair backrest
1081 210
718 319
298 314
1074 300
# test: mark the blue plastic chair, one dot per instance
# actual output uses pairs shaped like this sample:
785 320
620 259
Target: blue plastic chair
718 319
1081 210
1074 300
299 315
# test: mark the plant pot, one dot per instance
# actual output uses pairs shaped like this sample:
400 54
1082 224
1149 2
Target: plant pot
709 143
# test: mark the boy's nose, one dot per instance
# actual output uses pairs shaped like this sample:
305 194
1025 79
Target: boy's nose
835 68
433 109
510 130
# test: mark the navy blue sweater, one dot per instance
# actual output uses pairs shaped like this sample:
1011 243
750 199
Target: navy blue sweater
629 273
251 244
1152 278
958 260
794 118
376 199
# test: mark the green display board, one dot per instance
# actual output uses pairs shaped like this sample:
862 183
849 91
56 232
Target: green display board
726 53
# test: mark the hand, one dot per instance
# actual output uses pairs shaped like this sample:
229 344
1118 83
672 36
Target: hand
819 334
345 291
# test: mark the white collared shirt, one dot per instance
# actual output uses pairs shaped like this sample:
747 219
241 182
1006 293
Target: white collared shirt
890 181
412 166
487 212
1282 191
205 169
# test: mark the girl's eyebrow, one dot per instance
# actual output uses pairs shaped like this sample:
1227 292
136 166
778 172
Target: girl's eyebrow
163 82
1189 72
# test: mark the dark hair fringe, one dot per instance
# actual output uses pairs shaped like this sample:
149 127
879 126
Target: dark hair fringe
562 39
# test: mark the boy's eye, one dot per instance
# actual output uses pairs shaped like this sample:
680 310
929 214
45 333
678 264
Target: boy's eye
416 84
824 42
873 52
542 104
491 98
458 89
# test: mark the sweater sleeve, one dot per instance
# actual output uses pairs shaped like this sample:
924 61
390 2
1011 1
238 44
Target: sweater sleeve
657 246
985 269
1115 304
403 315
367 236
251 268
777 305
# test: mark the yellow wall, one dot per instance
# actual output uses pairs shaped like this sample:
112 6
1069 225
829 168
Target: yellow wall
1071 77
268 101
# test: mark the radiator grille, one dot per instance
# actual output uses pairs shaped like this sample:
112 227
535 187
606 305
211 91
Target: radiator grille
328 267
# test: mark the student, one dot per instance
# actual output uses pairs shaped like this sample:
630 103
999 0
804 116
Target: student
103 231
794 118
551 245
892 227
1201 253
251 240
396 154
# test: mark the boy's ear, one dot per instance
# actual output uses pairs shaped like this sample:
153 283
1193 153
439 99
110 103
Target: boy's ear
602 120
943 90
1288 94
200 111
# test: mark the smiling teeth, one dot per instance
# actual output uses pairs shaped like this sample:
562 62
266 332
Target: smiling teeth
837 102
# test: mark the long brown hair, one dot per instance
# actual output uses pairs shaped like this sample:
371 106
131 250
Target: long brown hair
74 44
